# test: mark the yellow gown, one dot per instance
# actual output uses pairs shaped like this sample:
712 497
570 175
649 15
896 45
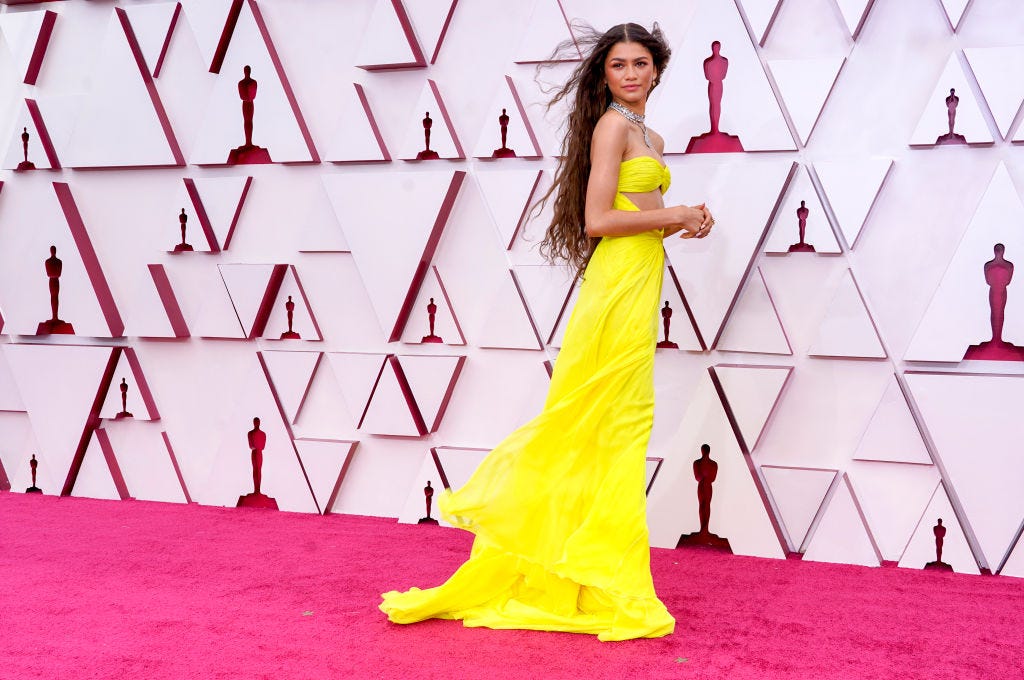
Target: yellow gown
559 508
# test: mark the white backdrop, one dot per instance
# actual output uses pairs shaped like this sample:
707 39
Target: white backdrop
831 386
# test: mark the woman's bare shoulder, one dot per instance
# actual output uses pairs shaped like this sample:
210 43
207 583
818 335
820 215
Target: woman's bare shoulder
612 123
611 132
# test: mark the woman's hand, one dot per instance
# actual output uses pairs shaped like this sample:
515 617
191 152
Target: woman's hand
694 221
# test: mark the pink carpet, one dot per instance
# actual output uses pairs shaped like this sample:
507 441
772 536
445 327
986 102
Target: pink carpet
100 589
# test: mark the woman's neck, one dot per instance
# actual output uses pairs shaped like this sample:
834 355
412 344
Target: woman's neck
638 108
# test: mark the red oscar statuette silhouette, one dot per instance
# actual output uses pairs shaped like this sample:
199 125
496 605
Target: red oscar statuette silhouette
802 246
124 402
938 564
431 316
25 164
289 334
504 151
54 326
715 141
248 152
257 442
427 154
182 247
428 495
705 471
34 464
998 274
666 322
952 101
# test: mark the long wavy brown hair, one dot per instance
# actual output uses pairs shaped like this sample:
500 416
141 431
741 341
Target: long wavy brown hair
588 96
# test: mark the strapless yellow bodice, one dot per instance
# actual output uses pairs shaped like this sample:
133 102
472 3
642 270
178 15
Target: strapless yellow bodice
642 174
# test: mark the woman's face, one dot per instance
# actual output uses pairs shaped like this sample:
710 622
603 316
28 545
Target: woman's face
629 71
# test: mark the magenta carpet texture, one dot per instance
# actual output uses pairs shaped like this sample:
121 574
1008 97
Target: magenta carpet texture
106 589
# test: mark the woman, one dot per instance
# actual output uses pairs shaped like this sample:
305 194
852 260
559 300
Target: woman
558 508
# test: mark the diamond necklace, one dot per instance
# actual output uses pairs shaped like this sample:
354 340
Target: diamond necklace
632 118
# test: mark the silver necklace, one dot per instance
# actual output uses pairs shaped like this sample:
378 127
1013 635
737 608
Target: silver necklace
632 118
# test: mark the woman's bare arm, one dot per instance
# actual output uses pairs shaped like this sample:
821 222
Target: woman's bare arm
607 148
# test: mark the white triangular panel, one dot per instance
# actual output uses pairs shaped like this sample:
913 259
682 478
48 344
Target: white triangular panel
749 107
430 18
117 123
443 138
975 424
135 402
651 468
996 69
61 114
753 324
847 329
94 479
507 194
386 44
506 322
959 314
892 434
761 15
320 230
893 497
215 316
144 461
934 121
446 324
854 13
432 380
16 149
357 375
20 32
415 506
58 413
389 412
851 187
841 535
680 329
956 552
25 295
546 289
247 285
10 398
324 462
276 124
785 230
954 10
739 512
231 473
390 246
742 197
546 29
17 445
152 25
752 392
798 495
303 320
1014 565
563 323
357 138
222 199
520 137
805 84
458 465
206 19
291 373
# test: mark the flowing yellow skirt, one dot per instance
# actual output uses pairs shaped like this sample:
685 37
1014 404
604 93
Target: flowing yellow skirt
558 508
